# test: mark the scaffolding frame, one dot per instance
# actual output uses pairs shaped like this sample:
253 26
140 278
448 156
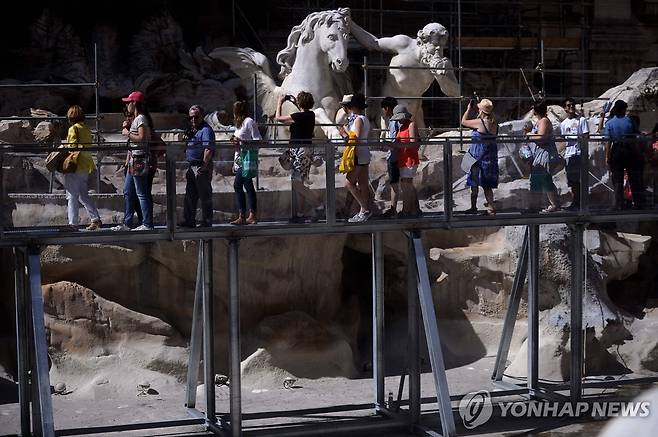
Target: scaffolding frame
31 330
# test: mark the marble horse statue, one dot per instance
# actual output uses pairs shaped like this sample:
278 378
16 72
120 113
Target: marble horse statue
314 60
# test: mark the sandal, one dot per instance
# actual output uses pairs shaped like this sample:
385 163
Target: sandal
549 209
491 211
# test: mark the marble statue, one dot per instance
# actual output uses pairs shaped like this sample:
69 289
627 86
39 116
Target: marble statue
314 60
426 50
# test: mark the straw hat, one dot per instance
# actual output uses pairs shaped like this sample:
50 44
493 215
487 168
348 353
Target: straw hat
486 106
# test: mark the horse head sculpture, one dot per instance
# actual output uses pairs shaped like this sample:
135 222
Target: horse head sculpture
327 31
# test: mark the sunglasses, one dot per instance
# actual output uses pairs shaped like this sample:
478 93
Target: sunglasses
570 105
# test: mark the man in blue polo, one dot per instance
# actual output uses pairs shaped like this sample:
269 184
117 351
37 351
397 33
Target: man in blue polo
622 152
199 152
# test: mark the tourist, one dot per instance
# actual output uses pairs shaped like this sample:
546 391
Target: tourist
407 160
75 183
393 171
302 126
573 128
357 181
622 153
138 182
483 148
544 152
198 153
246 163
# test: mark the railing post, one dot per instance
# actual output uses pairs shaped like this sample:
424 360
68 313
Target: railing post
447 180
170 183
99 157
330 189
583 194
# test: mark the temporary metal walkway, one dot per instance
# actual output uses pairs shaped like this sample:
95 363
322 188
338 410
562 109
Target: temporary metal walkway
34 383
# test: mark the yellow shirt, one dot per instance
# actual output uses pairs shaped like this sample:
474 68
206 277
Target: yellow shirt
80 135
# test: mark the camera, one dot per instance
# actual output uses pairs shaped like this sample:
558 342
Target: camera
289 97
474 99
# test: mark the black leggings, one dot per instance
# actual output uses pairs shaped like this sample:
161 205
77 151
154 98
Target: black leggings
248 185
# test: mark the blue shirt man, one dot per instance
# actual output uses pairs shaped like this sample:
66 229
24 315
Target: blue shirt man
201 147
619 127
199 152
623 156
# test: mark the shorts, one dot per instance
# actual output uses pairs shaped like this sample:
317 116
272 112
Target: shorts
408 172
573 169
393 171
541 182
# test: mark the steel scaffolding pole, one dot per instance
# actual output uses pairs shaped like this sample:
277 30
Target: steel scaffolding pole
208 332
576 326
196 336
533 309
413 334
22 344
42 402
433 339
512 311
234 338
378 371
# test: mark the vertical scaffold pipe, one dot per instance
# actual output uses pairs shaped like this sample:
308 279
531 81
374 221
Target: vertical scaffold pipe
533 308
413 360
234 338
576 327
208 332
22 333
378 317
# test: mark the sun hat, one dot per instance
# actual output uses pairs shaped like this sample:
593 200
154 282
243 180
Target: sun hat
486 106
135 96
400 112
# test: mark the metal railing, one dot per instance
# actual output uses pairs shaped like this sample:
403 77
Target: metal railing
447 217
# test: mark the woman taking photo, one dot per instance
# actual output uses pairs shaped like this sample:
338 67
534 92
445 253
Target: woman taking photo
484 172
302 125
246 163
75 183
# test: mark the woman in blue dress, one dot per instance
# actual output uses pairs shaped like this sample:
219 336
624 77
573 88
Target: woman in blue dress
484 172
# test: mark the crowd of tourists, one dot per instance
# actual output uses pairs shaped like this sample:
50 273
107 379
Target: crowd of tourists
543 153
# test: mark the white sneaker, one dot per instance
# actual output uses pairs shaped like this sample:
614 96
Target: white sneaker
360 217
120 227
143 228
